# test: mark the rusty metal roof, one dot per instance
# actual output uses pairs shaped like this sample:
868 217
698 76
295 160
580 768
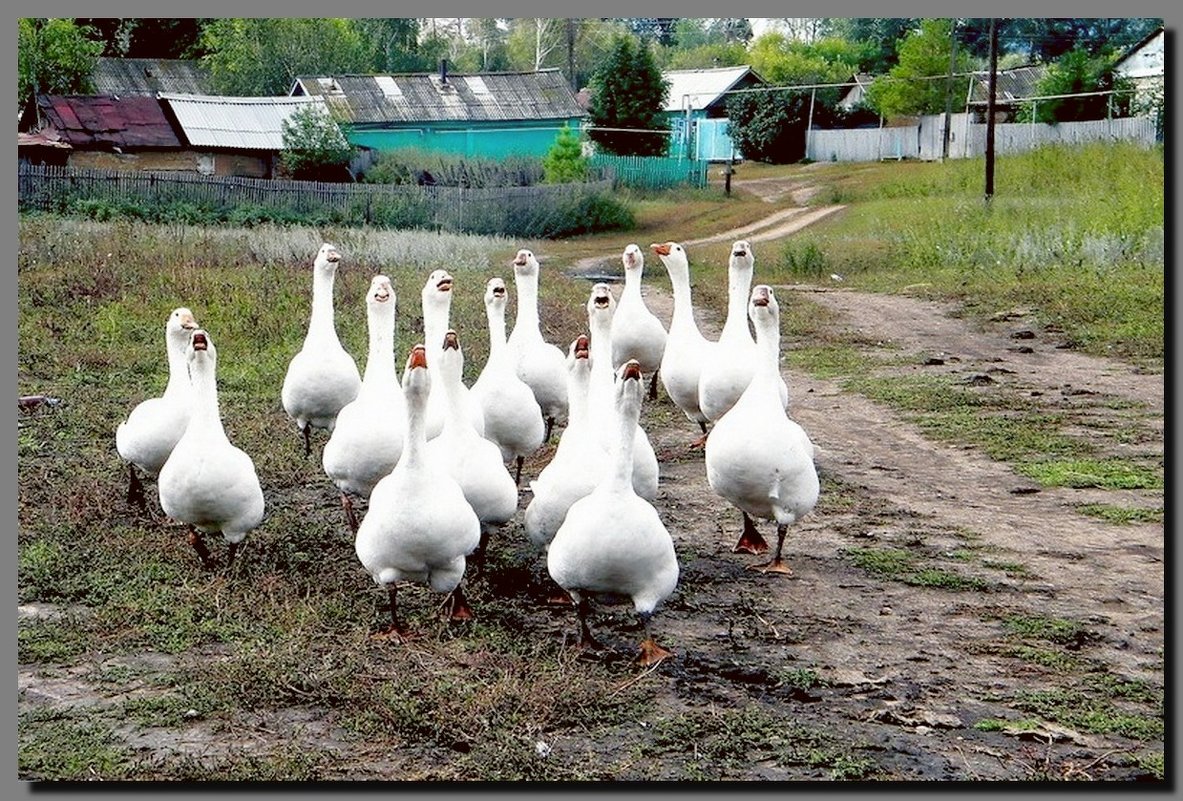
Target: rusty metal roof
1013 85
428 97
147 76
241 123
104 120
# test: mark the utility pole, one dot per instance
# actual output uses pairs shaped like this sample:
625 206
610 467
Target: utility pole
990 110
949 93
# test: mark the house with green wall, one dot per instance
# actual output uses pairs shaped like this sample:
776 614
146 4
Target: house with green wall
487 115
696 109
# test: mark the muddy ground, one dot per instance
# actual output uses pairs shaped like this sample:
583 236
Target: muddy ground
905 673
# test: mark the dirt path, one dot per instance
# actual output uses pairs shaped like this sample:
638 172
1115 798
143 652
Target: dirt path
914 667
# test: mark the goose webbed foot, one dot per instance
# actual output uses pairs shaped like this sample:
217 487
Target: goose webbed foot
198 543
394 632
135 490
750 541
350 515
777 564
517 477
231 552
457 605
651 653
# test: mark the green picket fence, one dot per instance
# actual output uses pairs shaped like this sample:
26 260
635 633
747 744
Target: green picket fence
651 172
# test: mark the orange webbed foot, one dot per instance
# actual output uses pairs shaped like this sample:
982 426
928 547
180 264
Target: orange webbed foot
777 565
652 653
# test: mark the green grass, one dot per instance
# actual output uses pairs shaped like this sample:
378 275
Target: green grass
1100 473
1121 515
907 567
1077 233
1092 708
56 747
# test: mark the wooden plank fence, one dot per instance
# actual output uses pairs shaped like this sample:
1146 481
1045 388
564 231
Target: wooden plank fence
448 208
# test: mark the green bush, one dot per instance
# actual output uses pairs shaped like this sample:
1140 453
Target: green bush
565 162
409 167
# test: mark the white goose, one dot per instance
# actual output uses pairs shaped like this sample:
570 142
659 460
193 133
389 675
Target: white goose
322 377
208 483
473 461
539 364
722 381
418 526
579 460
685 348
613 541
601 394
437 308
636 331
148 435
756 457
513 418
368 436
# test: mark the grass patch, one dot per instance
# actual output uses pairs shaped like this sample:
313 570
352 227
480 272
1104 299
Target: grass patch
998 724
905 566
1074 232
722 743
1121 515
1092 708
57 748
1099 473
1057 630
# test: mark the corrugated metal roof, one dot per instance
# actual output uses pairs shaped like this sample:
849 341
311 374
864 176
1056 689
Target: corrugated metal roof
147 76
125 122
424 97
241 123
1013 85
704 87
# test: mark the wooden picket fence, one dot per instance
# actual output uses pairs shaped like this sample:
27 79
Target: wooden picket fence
457 209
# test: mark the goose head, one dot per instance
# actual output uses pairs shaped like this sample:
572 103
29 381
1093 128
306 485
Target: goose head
673 256
495 294
381 294
437 292
201 351
579 359
327 258
762 306
601 301
629 386
632 258
741 255
451 359
416 379
180 327
525 265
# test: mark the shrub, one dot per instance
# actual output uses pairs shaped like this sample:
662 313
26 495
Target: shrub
565 162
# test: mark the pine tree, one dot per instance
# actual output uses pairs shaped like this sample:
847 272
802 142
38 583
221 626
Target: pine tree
629 93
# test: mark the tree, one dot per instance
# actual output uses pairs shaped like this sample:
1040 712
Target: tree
881 34
1077 72
54 56
917 84
314 146
393 44
564 162
535 43
628 92
264 56
769 126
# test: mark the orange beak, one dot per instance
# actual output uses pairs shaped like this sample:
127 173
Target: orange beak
418 357
661 250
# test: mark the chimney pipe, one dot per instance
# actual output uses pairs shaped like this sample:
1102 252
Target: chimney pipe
443 70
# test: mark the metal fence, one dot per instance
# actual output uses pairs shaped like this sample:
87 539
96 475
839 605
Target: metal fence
651 172
924 140
457 209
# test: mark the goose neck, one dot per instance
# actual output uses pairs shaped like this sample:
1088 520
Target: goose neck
178 373
321 323
496 319
768 350
683 308
205 415
739 284
380 360
435 325
527 314
415 440
622 448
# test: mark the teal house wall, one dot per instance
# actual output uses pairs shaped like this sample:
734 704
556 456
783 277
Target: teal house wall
496 141
490 115
696 110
